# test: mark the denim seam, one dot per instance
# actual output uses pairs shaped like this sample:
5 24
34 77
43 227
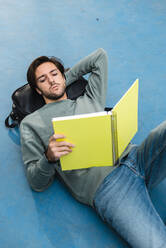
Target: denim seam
135 171
129 163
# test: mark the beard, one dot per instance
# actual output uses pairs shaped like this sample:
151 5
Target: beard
54 96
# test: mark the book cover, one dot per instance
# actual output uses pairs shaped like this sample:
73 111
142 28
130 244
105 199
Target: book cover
91 134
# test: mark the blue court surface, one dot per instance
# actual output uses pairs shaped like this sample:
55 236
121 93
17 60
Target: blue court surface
134 35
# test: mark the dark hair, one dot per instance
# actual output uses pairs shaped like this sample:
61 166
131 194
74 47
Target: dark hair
38 61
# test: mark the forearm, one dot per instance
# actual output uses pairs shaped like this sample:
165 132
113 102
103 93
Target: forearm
85 66
97 65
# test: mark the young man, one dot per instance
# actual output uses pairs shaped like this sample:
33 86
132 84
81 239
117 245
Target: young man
119 194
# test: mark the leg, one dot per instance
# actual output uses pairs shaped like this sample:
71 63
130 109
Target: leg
152 156
123 202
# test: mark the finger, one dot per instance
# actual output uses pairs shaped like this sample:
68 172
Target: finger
59 154
63 154
54 137
64 143
62 149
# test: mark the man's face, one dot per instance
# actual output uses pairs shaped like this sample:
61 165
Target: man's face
50 82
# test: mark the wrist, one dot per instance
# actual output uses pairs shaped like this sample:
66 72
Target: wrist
49 158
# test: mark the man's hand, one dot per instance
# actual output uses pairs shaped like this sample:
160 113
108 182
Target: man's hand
58 147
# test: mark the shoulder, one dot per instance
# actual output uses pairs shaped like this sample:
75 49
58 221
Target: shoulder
30 118
38 122
34 116
30 121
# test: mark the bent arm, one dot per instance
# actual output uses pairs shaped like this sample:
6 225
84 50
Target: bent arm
97 65
40 173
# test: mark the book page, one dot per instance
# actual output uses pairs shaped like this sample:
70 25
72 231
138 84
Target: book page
127 117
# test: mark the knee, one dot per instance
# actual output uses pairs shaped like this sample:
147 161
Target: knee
160 130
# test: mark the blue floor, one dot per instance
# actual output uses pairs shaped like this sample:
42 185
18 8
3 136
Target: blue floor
134 35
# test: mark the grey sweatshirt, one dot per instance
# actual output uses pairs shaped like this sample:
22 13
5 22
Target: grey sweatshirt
36 130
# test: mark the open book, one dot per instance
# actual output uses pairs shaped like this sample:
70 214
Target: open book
99 138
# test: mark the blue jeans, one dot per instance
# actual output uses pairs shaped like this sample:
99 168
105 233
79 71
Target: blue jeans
123 201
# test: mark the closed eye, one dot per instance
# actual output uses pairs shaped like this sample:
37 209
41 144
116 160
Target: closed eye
42 80
54 74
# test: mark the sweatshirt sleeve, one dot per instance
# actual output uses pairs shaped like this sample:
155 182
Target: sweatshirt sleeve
40 173
97 65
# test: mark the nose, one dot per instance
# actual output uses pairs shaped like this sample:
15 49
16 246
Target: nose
51 79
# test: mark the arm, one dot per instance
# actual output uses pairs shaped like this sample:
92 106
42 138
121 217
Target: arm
39 162
97 65
40 173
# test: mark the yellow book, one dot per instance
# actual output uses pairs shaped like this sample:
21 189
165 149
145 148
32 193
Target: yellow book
99 138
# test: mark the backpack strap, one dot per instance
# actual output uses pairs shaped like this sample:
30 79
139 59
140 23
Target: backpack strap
14 122
12 119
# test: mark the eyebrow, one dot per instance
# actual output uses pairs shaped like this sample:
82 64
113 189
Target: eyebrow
44 74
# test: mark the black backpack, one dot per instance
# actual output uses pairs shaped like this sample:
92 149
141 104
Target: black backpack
25 101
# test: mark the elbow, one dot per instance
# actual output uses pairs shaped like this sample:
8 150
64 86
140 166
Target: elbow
40 186
35 186
103 57
37 189
102 52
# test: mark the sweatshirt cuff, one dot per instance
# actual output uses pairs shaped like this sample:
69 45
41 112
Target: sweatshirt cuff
47 166
68 78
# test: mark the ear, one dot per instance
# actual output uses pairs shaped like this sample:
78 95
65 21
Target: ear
64 80
38 91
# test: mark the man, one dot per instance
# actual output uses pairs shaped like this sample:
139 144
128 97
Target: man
119 194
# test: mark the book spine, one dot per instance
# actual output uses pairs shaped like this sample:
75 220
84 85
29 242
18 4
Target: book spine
114 138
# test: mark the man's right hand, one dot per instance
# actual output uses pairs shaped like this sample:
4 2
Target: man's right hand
58 147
